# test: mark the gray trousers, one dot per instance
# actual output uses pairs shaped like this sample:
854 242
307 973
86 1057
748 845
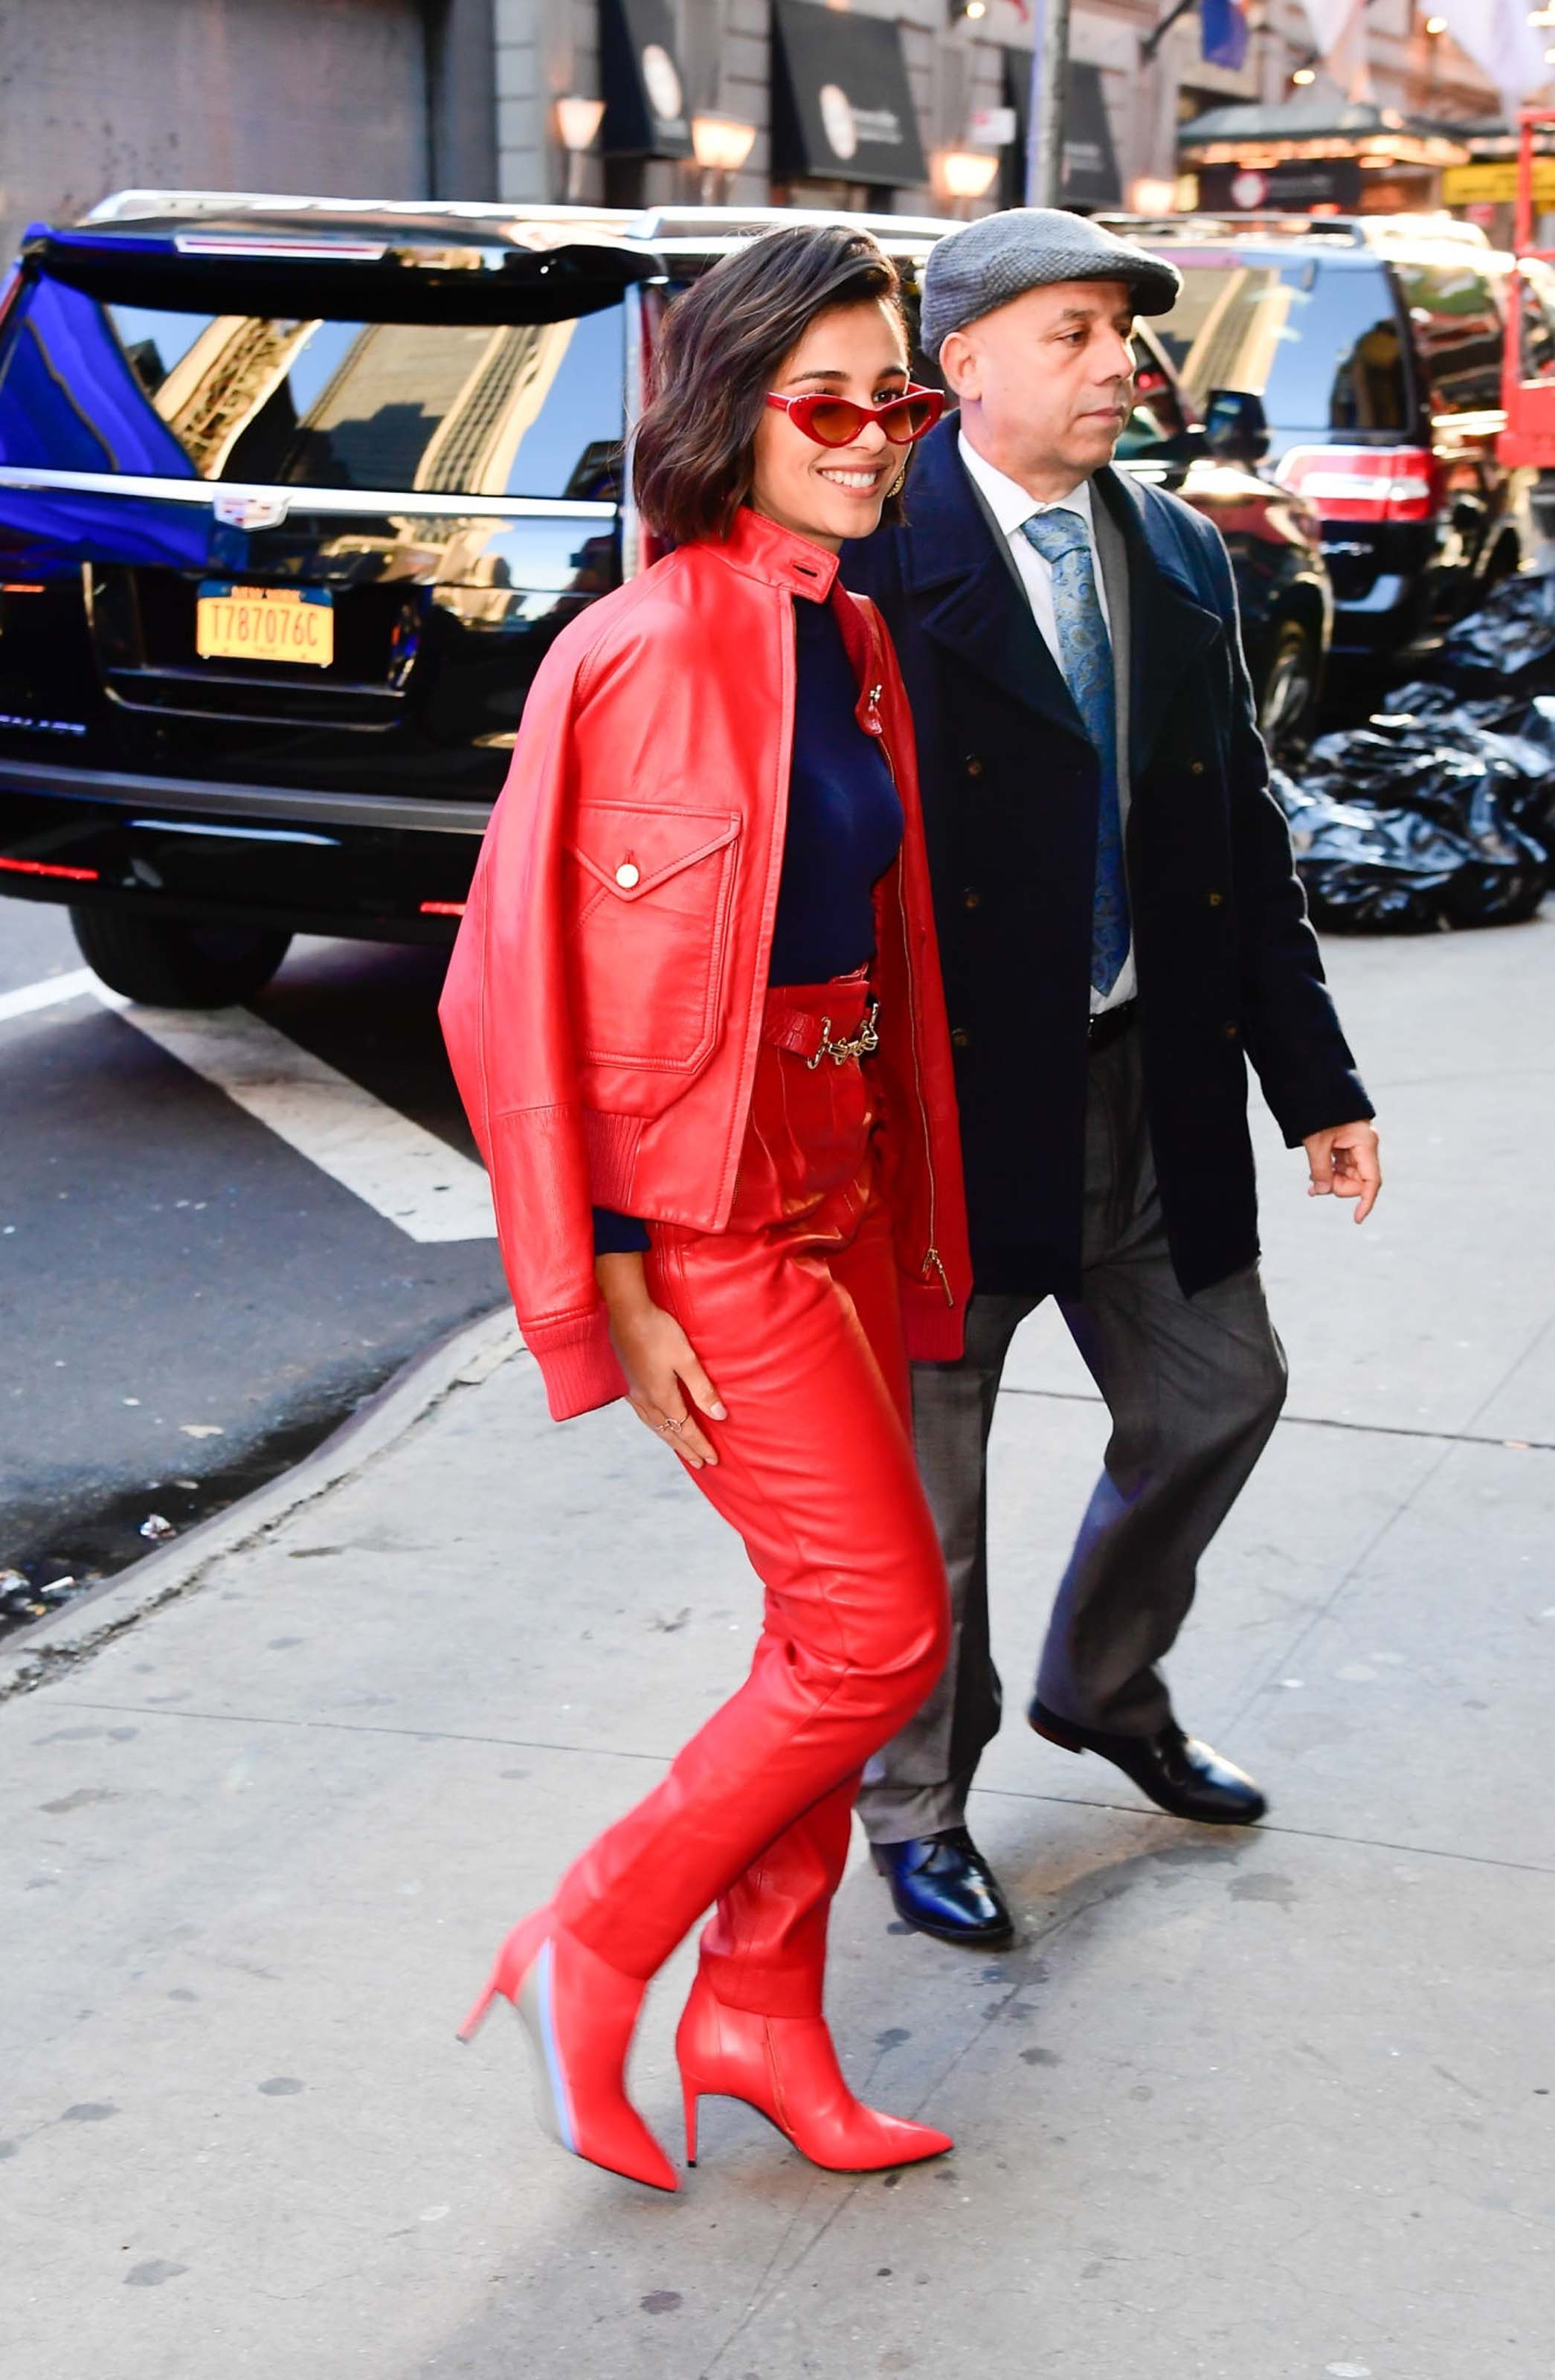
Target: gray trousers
1193 1388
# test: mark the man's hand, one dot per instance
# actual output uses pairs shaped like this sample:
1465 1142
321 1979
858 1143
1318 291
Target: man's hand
1344 1164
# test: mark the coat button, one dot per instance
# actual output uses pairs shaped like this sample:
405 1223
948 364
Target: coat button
1227 1032
960 1037
974 766
971 898
627 875
1216 900
1195 767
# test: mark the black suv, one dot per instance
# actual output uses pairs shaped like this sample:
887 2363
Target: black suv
293 500
1376 346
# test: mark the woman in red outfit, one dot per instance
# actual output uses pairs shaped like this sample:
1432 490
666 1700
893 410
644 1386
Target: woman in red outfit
695 1014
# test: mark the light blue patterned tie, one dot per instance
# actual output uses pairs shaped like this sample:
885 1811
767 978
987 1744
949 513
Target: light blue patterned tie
1063 540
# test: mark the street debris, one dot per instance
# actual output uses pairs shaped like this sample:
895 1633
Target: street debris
156 1526
1441 810
200 1429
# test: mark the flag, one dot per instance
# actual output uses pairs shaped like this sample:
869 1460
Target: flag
1499 38
1225 32
1340 30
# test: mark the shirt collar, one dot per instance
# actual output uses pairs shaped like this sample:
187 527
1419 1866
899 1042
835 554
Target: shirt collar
1008 501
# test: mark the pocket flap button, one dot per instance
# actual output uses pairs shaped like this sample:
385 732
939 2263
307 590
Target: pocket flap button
628 874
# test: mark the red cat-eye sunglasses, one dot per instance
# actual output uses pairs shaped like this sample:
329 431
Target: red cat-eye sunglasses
836 421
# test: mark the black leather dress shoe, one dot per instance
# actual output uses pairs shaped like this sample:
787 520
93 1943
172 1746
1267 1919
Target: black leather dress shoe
942 1885
1178 1774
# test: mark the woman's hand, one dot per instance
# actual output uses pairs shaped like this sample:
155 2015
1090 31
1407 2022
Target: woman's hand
660 1364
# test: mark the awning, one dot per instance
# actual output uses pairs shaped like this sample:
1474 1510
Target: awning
1316 122
646 115
1298 183
842 105
1090 166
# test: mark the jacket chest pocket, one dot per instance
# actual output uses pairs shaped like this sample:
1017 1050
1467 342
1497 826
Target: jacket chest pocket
649 895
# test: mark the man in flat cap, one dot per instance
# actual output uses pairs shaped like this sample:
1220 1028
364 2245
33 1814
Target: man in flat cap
1122 932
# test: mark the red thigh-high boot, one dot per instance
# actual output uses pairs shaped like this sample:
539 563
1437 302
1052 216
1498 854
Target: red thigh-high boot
578 2012
754 2028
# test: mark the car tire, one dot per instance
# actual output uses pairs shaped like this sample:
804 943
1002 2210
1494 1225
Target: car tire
170 964
1287 697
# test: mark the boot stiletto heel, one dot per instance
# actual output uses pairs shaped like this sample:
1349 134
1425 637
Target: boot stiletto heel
787 2068
579 2013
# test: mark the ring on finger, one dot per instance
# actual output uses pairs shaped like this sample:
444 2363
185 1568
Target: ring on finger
675 1426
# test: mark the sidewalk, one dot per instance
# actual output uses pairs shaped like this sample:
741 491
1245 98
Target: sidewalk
1248 2107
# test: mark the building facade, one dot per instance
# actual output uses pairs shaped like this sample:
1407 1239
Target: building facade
854 102
1133 87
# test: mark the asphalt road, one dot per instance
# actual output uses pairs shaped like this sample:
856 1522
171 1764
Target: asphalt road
187 1298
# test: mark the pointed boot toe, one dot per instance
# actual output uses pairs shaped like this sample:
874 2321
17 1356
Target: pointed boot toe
579 2014
787 2068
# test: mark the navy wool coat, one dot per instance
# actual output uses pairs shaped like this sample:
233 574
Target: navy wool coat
1228 965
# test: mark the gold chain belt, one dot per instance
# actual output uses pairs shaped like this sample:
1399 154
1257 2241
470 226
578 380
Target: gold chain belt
858 1045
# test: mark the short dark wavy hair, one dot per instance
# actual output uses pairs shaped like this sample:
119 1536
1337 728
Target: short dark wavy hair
721 343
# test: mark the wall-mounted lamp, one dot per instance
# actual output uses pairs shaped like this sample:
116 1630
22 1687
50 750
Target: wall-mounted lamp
965 174
1437 25
1304 74
577 121
972 10
721 145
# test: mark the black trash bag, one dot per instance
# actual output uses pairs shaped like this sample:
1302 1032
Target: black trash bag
1450 859
1516 730
1511 637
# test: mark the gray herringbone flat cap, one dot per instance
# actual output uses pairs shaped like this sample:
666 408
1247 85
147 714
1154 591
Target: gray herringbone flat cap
971 271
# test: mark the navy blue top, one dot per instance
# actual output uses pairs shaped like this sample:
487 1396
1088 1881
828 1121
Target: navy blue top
843 830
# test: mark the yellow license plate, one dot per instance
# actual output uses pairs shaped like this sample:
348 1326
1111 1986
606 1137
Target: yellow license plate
290 625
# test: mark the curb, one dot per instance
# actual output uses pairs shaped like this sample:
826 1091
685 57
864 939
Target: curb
462 1358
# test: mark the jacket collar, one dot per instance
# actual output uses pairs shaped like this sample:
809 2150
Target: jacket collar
973 602
763 549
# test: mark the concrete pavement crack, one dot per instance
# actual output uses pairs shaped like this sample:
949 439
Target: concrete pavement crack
663 1759
1291 1652
1045 1934
1353 1428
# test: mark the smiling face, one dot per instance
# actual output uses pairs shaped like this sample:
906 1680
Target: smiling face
829 493
1045 382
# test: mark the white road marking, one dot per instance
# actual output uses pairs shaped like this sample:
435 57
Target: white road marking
415 1181
53 988
404 1172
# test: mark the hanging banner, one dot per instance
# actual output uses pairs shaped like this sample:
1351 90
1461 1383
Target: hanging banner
1223 25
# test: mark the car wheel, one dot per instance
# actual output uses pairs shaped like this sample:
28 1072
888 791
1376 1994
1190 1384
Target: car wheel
1288 697
170 964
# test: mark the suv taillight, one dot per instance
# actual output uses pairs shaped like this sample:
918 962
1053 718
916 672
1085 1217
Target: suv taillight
1362 483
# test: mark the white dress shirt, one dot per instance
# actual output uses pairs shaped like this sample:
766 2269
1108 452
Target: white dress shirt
1010 505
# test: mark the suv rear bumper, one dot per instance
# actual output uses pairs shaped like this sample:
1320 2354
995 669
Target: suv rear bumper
363 865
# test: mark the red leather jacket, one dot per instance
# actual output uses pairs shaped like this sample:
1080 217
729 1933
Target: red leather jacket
602 1009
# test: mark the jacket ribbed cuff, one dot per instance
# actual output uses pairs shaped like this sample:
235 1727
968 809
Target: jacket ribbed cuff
576 1363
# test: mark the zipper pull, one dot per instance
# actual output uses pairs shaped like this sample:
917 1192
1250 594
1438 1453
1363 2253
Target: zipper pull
932 1262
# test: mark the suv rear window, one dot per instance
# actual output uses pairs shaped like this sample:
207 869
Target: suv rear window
1320 346
1457 334
321 381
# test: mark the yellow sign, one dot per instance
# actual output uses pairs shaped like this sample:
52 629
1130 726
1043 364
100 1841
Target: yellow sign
1466 186
264 624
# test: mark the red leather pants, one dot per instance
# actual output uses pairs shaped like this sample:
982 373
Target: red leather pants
795 1312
